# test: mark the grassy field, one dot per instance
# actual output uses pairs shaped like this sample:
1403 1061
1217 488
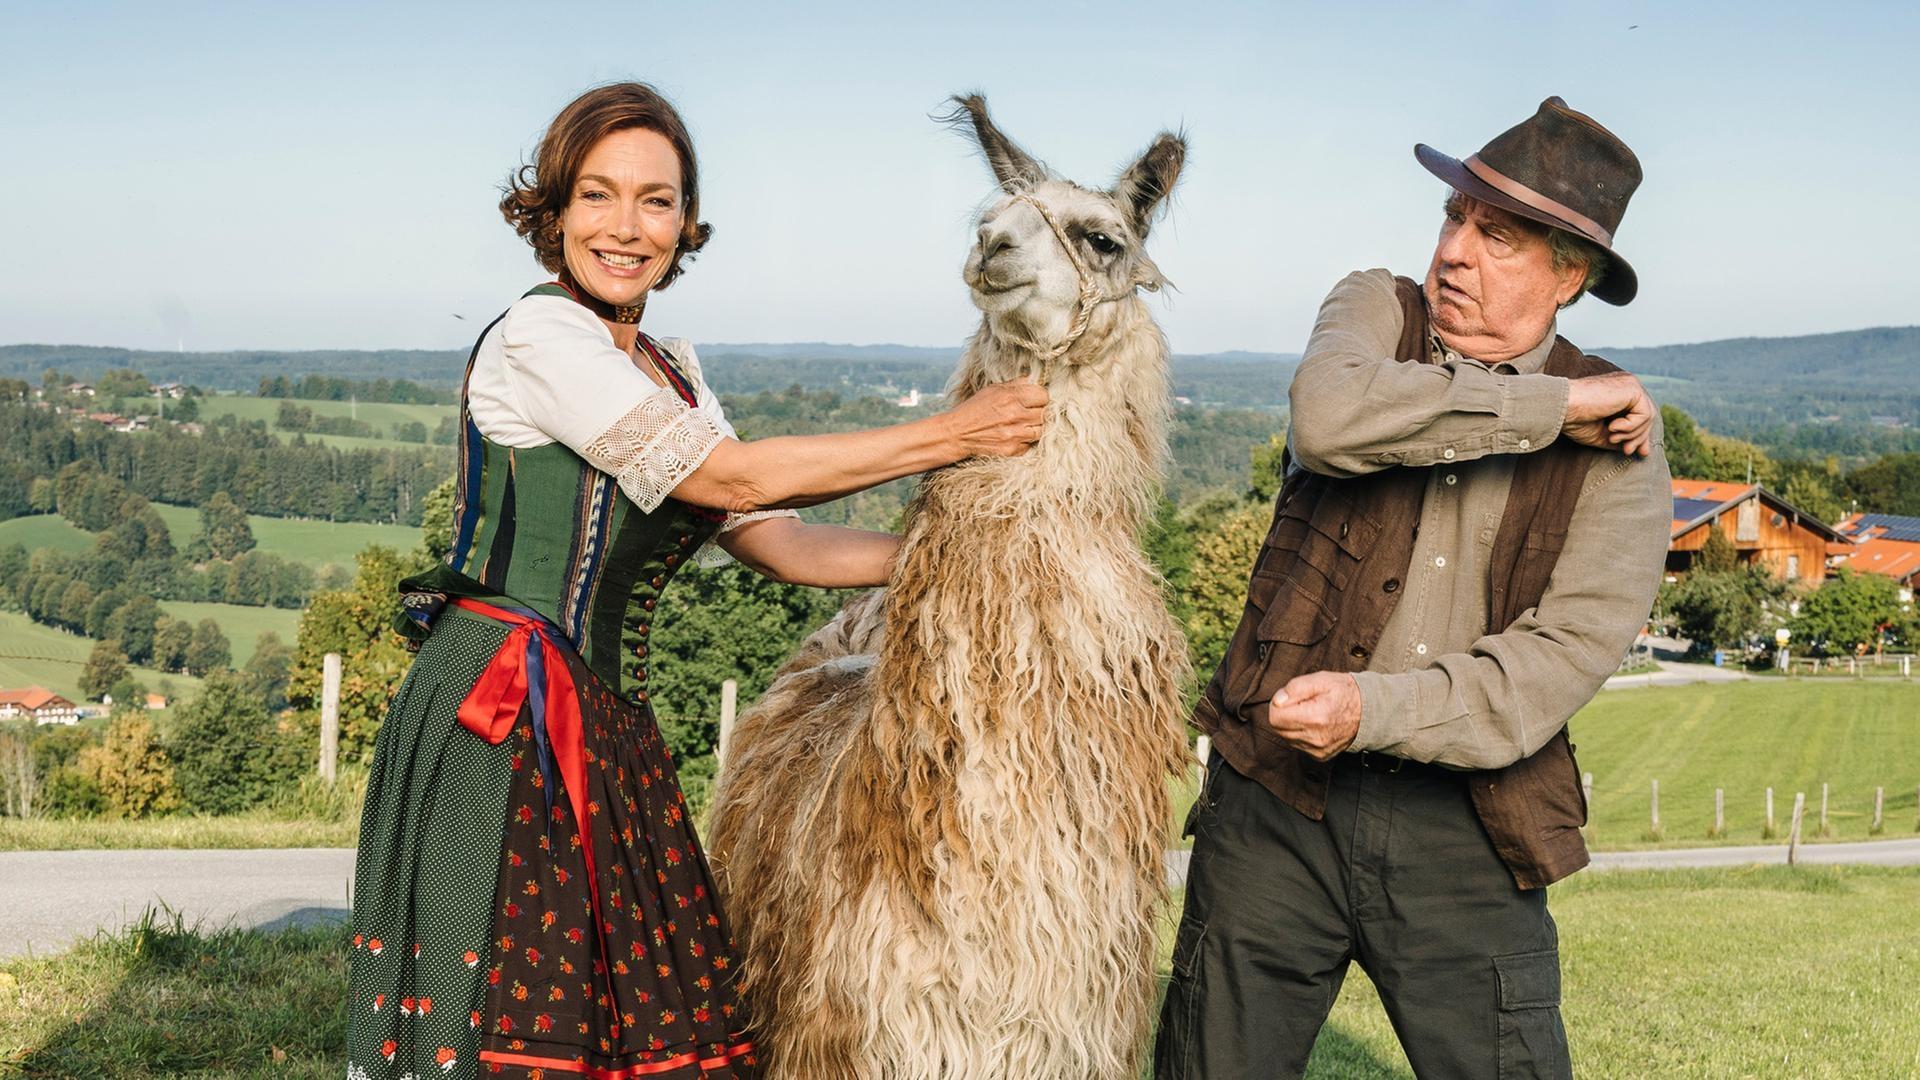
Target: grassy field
256 830
46 531
242 624
381 416
35 655
1768 972
1744 737
315 543
1756 973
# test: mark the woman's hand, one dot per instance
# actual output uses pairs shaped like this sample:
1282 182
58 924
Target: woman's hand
1002 420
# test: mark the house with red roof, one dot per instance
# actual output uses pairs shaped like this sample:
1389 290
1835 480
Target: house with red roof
1885 544
41 705
1764 529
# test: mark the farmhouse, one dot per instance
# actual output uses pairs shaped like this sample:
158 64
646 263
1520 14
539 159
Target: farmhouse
41 705
1886 544
1764 529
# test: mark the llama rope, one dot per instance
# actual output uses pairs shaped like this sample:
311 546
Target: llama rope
1090 292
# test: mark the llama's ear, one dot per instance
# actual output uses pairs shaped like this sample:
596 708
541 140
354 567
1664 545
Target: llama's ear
1011 165
1142 189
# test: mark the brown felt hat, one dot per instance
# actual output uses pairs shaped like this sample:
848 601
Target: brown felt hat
1560 168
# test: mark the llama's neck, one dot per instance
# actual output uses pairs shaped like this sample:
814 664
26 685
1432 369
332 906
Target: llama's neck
1101 455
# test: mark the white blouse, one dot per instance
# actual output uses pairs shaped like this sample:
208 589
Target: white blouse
549 372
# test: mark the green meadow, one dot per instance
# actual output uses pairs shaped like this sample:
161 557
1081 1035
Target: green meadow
243 624
380 415
1743 737
35 655
304 540
47 531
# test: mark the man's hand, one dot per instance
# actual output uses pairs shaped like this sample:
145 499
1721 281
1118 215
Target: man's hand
1612 412
1318 713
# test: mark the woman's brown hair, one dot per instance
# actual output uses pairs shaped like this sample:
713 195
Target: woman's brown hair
536 194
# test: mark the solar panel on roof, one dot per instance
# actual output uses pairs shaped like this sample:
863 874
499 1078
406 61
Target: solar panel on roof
1688 509
1898 527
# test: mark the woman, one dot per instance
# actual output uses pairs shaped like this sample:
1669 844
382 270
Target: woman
530 895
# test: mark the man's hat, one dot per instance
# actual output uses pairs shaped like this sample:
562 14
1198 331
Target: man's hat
1560 168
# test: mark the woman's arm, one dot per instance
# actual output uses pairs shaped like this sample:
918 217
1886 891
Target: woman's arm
801 470
825 556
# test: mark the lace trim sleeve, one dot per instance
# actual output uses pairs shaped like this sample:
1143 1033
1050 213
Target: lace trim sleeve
653 447
711 554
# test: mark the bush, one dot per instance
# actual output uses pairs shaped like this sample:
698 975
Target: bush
130 769
1728 609
227 753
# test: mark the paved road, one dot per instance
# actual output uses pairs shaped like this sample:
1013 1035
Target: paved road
51 898
1866 853
1672 673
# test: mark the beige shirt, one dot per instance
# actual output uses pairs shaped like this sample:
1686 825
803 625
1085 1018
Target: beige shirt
1443 685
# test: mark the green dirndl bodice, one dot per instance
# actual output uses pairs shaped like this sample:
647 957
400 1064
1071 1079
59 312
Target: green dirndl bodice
480 941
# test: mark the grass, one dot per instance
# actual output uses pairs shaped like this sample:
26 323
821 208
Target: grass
46 531
1744 737
1773 971
162 999
242 624
304 540
258 830
380 415
35 655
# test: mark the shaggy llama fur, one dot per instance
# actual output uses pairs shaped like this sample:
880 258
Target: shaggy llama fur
941 832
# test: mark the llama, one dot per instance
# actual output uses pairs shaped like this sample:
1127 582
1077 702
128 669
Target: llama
941 831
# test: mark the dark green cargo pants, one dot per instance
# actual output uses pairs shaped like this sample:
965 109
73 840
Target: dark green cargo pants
1399 876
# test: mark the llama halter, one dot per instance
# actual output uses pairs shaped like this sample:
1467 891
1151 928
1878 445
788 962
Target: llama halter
1091 295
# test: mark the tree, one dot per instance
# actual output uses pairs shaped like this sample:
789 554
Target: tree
13 564
223 524
208 651
1849 612
1726 609
171 639
19 773
106 665
1718 555
130 768
1888 486
133 624
1267 473
436 522
227 755
357 623
1223 556
268 671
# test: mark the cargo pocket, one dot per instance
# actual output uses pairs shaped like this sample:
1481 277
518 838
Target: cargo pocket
1175 1049
1532 1040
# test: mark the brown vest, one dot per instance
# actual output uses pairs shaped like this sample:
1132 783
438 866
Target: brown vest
1328 577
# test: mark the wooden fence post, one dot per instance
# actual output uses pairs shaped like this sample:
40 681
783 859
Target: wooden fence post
729 701
1719 812
1825 830
1769 831
1202 750
1793 836
329 715
1879 809
1586 792
1655 827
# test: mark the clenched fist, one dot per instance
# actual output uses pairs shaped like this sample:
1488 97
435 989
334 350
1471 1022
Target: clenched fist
1318 713
1002 420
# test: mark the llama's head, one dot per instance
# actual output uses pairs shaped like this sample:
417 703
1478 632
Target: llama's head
1050 257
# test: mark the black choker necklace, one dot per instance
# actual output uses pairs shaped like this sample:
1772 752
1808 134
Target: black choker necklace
616 313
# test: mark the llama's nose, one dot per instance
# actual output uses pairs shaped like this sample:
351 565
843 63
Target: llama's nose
993 239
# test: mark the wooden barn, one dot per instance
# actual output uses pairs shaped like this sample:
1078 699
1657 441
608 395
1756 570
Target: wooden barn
1887 544
1764 529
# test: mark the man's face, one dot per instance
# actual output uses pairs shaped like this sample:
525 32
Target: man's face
1492 290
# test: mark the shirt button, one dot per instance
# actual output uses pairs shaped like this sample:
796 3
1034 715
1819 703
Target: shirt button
640 696
1343 530
1420 649
1359 652
1452 479
1392 585
1447 453
1439 560
1526 444
672 561
647 603
644 629
641 652
657 581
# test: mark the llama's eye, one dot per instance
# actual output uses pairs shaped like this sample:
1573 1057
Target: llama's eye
1102 243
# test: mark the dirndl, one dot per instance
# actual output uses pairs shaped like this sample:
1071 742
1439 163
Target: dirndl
531 897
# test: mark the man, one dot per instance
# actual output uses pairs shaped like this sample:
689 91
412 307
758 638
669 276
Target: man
1470 533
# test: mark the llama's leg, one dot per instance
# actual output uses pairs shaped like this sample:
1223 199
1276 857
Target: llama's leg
1263 943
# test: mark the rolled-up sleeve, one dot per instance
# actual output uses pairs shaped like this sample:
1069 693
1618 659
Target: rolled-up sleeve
1354 409
1511 691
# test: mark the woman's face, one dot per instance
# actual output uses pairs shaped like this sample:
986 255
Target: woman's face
623 220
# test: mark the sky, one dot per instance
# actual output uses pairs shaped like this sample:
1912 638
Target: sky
326 175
